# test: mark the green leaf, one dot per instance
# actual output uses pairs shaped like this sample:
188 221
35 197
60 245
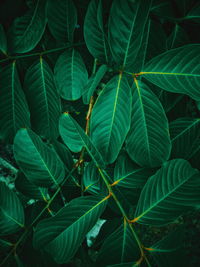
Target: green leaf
5 245
176 70
69 125
27 188
26 31
70 75
173 190
111 116
127 23
39 163
185 137
127 174
13 106
62 19
92 83
119 247
148 141
43 98
11 211
93 27
178 37
62 234
3 41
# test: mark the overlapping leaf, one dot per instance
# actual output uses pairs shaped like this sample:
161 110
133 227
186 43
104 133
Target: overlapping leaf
62 234
176 70
70 75
62 19
26 31
72 133
119 247
148 142
127 23
178 37
3 41
185 137
173 190
39 163
111 116
11 211
13 106
43 98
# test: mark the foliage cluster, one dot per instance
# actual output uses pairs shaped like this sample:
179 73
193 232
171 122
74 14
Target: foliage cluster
99 102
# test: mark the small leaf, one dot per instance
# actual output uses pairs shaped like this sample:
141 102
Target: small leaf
173 190
178 37
62 19
148 141
39 163
26 31
11 211
92 83
111 117
70 75
78 136
62 234
43 98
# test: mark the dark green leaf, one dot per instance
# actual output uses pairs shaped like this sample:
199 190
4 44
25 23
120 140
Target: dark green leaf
3 41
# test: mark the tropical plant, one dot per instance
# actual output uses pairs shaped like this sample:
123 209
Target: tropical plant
99 103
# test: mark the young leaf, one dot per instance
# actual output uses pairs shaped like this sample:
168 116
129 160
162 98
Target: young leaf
43 98
127 23
11 211
148 141
70 75
119 247
176 70
62 234
111 116
185 137
3 41
13 106
39 163
93 26
127 174
26 31
92 84
62 19
78 136
174 189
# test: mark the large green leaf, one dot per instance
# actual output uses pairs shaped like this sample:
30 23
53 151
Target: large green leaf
3 41
119 247
13 106
127 23
94 34
71 132
70 75
26 31
176 70
39 163
43 98
62 234
185 137
11 211
127 174
62 19
173 190
148 142
111 117
92 84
